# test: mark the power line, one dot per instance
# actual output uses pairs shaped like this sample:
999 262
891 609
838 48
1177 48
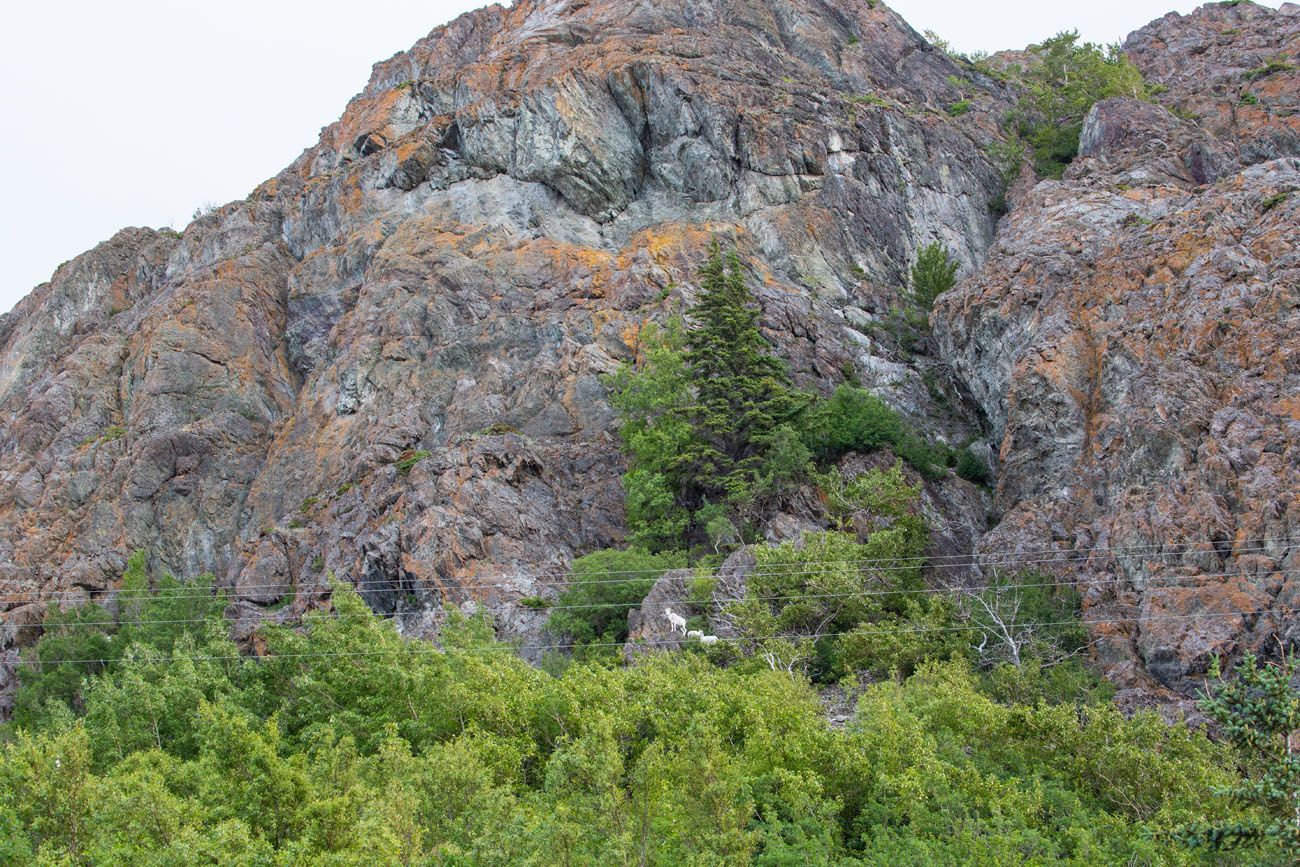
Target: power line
869 593
953 561
412 648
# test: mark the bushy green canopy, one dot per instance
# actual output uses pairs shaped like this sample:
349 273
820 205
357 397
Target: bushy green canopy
349 744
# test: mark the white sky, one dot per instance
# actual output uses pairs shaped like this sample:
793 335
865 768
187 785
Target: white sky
136 112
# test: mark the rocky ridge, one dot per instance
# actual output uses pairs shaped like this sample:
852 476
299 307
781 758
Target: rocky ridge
385 363
1132 340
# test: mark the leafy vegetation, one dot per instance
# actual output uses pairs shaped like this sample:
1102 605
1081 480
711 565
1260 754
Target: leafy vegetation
408 459
1273 201
714 429
1273 67
347 744
1064 79
1259 713
934 273
972 468
603 586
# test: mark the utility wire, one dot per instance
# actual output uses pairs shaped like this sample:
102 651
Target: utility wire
869 593
954 561
412 648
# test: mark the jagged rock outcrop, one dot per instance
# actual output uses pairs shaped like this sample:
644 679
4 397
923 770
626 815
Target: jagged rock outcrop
1233 68
1132 340
385 363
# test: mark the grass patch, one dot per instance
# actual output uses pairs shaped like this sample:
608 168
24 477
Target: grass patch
1273 201
409 459
110 435
1274 66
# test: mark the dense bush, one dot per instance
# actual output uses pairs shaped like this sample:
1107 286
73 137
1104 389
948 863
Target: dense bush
972 468
603 586
853 419
348 744
715 431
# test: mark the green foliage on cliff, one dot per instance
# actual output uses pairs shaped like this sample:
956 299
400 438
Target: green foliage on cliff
708 415
603 586
1064 79
1258 712
972 468
934 273
348 744
742 396
853 419
714 429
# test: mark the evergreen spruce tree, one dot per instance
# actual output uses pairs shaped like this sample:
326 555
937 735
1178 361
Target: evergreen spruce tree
743 393
1258 711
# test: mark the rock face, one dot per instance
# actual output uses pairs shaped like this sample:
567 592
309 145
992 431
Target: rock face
1132 340
385 363
1234 68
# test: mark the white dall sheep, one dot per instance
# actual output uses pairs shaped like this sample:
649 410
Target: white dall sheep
695 633
708 639
675 621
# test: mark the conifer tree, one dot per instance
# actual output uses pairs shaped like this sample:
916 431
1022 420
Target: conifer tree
743 393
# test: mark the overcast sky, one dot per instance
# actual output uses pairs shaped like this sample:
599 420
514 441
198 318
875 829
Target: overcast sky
136 112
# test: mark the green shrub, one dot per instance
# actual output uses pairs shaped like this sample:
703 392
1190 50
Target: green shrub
409 459
832 606
855 420
960 107
851 419
1064 80
934 273
1274 66
883 493
972 468
603 586
1273 201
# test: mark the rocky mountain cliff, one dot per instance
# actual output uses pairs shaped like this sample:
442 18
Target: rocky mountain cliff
1132 339
386 362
